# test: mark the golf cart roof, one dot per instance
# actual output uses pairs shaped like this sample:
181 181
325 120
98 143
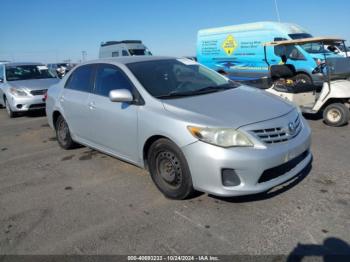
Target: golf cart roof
325 40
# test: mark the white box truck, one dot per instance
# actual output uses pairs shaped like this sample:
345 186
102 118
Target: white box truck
123 48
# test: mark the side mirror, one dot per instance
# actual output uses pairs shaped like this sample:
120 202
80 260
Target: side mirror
121 95
1 80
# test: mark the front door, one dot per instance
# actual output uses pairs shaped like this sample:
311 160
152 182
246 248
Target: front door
113 124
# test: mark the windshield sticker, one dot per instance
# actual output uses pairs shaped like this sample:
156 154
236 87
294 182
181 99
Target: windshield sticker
186 61
42 68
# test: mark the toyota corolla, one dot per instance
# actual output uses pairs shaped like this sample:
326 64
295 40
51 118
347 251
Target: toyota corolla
192 128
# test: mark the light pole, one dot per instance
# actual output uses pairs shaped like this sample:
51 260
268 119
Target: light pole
83 55
277 12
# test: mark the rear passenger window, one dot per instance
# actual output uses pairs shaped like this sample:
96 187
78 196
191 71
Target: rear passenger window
110 78
115 54
124 53
81 78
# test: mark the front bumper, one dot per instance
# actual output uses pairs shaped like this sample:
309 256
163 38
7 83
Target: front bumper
206 163
26 103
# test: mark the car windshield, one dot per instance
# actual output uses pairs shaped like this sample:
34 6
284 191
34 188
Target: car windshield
139 52
315 48
174 78
299 36
341 47
26 72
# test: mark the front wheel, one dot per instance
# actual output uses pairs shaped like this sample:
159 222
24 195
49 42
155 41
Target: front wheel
63 134
336 114
169 170
9 111
303 79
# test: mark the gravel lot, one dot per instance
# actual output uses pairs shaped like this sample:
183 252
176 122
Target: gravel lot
80 201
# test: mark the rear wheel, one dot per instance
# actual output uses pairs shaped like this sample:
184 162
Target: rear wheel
63 134
169 170
336 114
303 78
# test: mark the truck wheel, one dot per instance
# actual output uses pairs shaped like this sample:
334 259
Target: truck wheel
9 111
336 114
169 170
303 78
63 134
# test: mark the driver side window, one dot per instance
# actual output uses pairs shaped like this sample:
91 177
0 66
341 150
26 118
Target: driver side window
109 77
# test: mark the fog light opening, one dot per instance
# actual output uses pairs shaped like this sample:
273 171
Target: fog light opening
19 106
229 177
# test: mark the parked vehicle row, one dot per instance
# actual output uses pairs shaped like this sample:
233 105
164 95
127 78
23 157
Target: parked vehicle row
238 50
192 128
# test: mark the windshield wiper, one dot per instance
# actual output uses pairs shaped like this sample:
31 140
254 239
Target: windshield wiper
210 89
175 95
205 90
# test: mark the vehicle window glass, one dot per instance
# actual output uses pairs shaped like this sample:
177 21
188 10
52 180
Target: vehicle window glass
1 72
300 35
173 77
27 72
110 78
315 48
290 52
124 53
80 79
114 54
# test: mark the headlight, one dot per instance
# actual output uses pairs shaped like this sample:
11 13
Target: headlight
224 137
18 92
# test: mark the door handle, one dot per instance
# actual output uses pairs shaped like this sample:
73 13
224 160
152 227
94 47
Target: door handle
92 105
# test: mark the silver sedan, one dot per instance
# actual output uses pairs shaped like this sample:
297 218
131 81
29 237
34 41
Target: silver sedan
192 128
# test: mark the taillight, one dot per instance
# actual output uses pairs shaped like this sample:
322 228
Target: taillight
45 96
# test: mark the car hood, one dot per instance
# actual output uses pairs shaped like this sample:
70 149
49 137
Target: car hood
34 84
232 108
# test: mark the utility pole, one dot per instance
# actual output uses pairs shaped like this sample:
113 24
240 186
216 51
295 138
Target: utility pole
83 56
277 12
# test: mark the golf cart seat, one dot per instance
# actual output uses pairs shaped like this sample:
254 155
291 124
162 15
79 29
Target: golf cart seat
261 83
284 71
287 71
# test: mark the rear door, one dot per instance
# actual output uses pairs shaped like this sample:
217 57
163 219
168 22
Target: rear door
114 124
75 100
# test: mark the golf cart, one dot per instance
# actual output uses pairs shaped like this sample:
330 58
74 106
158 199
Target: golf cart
332 99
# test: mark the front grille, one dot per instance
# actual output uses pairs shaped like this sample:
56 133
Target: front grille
280 170
278 134
38 92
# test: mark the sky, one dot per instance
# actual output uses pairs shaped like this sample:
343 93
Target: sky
53 31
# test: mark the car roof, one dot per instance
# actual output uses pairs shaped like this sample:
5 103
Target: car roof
23 63
128 59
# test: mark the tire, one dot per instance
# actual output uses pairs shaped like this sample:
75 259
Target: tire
9 111
169 170
303 78
336 114
63 134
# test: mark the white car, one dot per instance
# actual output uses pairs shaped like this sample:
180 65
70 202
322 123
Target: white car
23 85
